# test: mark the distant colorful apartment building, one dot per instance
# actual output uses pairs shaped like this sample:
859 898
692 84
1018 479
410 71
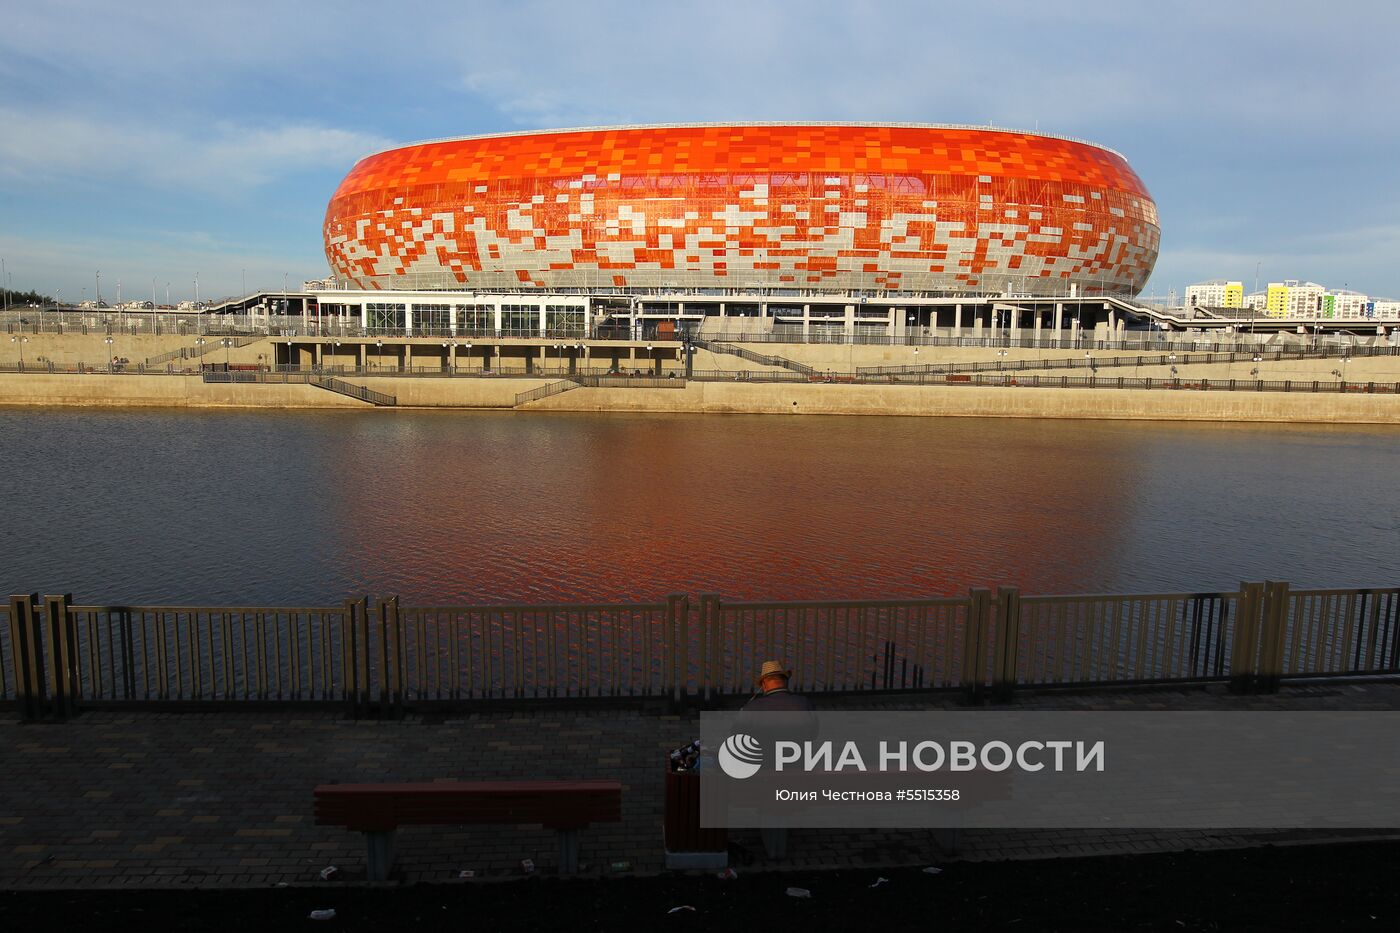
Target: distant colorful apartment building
1292 298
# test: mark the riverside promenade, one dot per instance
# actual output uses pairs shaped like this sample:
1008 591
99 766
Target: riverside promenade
139 799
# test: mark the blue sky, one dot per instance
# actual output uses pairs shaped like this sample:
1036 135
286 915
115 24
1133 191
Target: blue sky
155 140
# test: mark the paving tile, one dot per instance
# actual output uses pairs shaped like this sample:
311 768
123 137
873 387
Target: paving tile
224 799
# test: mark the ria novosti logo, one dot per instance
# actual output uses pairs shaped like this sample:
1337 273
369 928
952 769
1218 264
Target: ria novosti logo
740 756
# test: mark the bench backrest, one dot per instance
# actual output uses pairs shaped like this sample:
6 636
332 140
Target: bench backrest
384 807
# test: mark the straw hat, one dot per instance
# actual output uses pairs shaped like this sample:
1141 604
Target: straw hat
770 668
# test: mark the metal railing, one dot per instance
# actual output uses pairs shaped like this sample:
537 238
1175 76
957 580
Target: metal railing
381 399
1090 363
834 646
204 348
545 391
1047 340
674 378
1063 640
605 380
128 653
746 354
1338 632
485 652
58 656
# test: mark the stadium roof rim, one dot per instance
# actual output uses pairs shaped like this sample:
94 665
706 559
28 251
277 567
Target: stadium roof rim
741 123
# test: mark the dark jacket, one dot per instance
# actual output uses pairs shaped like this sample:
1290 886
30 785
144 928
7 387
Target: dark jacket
798 722
781 700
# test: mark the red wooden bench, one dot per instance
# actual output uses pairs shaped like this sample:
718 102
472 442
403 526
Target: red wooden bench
377 810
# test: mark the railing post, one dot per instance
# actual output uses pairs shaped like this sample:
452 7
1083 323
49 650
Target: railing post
355 646
979 607
677 638
1008 638
391 659
27 656
709 638
1244 645
1273 628
63 655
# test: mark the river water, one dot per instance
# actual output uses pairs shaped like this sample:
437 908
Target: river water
308 508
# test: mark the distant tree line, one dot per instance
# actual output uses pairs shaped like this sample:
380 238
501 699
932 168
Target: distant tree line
29 298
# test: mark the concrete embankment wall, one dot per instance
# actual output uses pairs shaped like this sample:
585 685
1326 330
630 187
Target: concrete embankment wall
98 390
103 390
990 402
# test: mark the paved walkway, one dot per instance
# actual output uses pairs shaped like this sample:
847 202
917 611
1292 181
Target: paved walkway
224 799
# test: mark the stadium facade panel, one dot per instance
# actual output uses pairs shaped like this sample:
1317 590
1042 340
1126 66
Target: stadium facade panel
822 207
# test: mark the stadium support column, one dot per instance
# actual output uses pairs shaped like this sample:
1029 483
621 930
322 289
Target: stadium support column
957 320
1059 320
1037 326
806 321
407 318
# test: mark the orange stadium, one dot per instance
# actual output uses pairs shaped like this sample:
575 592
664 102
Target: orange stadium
810 207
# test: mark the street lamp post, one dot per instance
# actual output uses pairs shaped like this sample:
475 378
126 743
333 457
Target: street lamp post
199 350
110 357
227 342
21 341
378 354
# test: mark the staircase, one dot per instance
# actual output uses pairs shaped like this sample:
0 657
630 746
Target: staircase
209 346
545 391
378 399
744 353
598 382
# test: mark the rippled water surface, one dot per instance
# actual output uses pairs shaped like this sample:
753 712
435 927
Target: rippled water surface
298 508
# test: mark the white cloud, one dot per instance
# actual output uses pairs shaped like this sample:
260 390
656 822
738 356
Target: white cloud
1094 68
222 157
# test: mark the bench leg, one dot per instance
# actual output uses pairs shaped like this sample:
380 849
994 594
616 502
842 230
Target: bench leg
379 858
568 851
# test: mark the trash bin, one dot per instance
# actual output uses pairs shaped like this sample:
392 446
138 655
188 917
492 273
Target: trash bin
687 845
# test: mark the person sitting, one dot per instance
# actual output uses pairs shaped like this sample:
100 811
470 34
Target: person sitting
797 723
774 695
